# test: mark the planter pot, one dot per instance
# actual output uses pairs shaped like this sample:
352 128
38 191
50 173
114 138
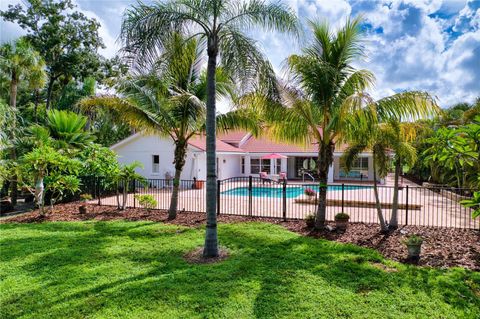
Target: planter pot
82 209
414 251
199 184
341 224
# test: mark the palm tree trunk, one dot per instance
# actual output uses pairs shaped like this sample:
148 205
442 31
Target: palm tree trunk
125 194
211 236
13 151
394 218
35 108
180 152
383 226
325 159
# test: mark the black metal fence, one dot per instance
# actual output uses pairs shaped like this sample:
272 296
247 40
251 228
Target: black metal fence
432 206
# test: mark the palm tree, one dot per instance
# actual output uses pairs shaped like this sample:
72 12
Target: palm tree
20 61
328 103
168 98
384 135
405 153
221 24
324 99
377 140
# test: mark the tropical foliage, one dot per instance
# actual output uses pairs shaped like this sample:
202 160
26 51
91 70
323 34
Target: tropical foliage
166 97
221 24
326 101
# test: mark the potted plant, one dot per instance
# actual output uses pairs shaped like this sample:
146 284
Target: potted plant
310 220
82 209
341 220
199 184
414 245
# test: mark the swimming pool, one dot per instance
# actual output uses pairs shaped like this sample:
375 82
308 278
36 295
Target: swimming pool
292 192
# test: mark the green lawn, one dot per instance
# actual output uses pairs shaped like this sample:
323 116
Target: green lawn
136 270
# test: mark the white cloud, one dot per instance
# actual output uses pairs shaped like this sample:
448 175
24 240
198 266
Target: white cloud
410 45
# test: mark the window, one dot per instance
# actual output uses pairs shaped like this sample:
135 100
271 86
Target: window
155 164
266 166
243 165
359 169
255 166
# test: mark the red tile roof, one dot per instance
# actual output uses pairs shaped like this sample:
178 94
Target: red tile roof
199 142
255 144
232 136
265 145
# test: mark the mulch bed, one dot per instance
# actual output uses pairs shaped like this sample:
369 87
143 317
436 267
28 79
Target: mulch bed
196 256
442 247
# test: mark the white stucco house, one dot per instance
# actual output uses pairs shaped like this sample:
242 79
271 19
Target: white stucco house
238 154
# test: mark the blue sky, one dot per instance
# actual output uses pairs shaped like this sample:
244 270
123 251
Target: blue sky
431 45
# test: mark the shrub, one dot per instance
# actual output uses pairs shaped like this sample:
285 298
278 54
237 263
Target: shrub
146 201
342 216
413 240
86 197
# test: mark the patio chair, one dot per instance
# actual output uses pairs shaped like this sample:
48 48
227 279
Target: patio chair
282 177
264 178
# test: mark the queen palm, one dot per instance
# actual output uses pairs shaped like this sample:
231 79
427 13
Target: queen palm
19 61
328 102
221 23
376 139
166 96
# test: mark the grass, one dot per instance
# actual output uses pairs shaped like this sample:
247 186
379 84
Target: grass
136 270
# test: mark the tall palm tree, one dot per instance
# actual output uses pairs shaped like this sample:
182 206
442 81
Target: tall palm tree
20 61
385 135
377 140
167 97
327 102
221 23
405 153
324 98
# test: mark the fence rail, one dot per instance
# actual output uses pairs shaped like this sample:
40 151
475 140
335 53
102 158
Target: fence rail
432 206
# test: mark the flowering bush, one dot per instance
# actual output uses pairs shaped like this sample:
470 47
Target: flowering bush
310 192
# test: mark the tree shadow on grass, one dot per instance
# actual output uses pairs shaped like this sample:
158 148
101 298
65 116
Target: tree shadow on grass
124 269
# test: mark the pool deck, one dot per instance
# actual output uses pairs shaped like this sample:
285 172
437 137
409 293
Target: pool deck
426 207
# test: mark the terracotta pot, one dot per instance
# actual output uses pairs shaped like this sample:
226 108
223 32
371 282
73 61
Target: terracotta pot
199 184
82 209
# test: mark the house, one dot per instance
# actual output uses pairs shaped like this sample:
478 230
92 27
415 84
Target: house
238 154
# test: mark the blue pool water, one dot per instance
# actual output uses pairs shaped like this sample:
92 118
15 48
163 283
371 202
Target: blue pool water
292 192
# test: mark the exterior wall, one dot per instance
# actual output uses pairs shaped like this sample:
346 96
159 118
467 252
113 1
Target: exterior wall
229 166
142 149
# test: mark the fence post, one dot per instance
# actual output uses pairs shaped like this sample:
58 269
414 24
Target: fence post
406 206
343 197
218 196
284 200
250 196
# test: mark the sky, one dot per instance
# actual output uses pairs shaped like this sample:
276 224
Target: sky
429 45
